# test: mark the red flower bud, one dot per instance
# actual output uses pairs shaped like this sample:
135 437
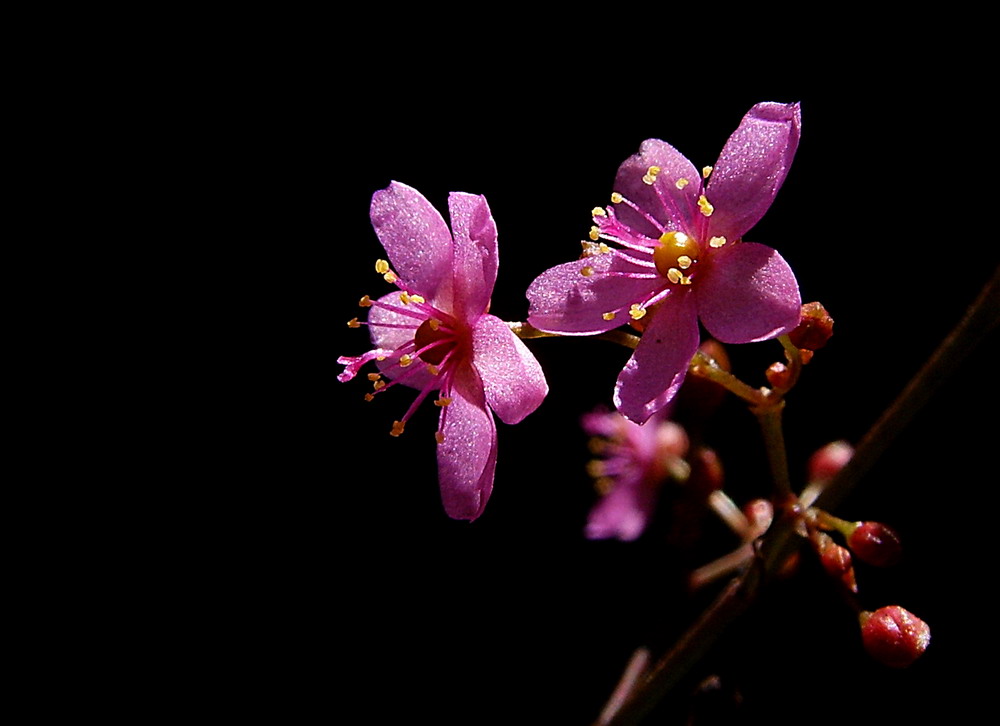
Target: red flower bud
778 375
814 329
836 560
826 462
876 544
893 636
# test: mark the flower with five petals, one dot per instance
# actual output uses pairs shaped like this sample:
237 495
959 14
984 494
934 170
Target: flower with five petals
679 258
434 334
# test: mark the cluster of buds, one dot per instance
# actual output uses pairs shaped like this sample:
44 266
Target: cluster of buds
815 328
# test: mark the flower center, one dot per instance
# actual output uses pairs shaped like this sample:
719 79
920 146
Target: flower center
675 254
441 342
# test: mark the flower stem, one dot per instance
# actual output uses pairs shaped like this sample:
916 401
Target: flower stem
705 366
769 417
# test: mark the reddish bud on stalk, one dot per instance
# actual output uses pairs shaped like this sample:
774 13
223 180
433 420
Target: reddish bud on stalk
825 463
836 560
893 636
876 544
778 375
815 327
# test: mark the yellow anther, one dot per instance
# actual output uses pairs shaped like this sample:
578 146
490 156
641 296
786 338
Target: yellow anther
705 171
684 262
442 402
405 360
587 271
379 385
353 323
616 198
608 316
717 242
604 248
380 357
365 302
685 280
374 376
433 369
637 311
390 277
598 212
589 249
417 298
681 183
604 485
653 171
369 397
404 298
597 445
595 233
433 323
595 467
648 179
381 266
674 275
705 206
439 437
397 428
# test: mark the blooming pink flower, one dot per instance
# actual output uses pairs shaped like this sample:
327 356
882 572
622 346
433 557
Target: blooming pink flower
637 460
681 258
435 335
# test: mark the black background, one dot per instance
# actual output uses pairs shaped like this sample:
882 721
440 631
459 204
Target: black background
516 617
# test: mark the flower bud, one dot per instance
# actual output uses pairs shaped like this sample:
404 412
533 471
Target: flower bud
893 636
876 544
825 463
815 327
836 560
778 375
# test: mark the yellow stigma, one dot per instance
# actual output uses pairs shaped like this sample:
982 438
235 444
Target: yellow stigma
365 302
595 233
353 323
442 402
381 266
637 311
705 171
587 271
608 316
676 250
717 242
705 206
397 428
598 212
616 198
681 183
439 437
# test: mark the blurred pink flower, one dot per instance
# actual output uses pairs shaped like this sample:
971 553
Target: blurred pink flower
435 335
681 258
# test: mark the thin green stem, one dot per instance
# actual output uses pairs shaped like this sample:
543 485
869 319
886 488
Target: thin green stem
706 367
769 417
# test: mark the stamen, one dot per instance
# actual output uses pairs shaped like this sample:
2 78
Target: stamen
381 266
598 212
650 175
417 298
603 248
442 402
608 316
365 302
404 298
433 369
684 262
379 385
439 437
390 277
595 467
705 206
705 171
616 198
685 280
353 323
587 271
369 397
374 376
397 428
681 183
637 311
674 275
405 360
595 233
717 242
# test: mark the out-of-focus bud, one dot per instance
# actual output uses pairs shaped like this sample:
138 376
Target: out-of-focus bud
836 560
893 636
825 463
875 544
760 514
815 327
778 375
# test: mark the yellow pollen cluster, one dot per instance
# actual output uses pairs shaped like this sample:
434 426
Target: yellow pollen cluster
433 323
365 302
684 262
608 316
587 271
433 369
595 467
637 311
442 402
604 248
616 198
439 437
390 276
404 298
405 360
417 298
598 212
717 242
650 175
705 171
674 275
374 376
681 183
353 323
369 397
379 385
705 206
381 266
397 428
595 233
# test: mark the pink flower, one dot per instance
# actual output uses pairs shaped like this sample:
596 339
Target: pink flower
680 258
637 461
435 335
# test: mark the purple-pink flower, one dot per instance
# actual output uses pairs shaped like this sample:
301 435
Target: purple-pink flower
636 461
434 334
680 258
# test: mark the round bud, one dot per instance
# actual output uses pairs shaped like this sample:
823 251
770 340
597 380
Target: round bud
875 544
815 327
825 463
893 636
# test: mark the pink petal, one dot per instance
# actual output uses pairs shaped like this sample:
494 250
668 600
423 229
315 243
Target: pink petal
752 167
564 301
671 206
475 254
468 455
513 380
624 511
655 371
748 294
416 239
392 338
